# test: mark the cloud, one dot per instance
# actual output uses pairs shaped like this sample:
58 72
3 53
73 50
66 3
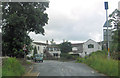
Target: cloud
75 20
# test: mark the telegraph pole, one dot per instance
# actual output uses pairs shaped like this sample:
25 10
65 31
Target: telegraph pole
106 8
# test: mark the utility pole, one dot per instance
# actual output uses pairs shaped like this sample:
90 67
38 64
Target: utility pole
106 8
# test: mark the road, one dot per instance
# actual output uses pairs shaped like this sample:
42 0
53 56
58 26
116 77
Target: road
57 68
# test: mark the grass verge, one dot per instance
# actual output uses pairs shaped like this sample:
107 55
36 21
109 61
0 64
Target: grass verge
12 67
0 71
99 61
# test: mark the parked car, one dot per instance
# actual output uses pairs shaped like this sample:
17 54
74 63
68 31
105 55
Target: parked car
38 58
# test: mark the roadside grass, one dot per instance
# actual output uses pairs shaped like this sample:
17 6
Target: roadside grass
0 71
12 67
24 62
99 61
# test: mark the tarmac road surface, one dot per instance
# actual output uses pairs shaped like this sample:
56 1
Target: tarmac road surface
57 68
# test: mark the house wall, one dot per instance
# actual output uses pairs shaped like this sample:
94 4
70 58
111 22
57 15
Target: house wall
54 51
74 48
40 49
80 48
77 49
87 51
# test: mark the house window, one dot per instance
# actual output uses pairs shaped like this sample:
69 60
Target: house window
50 49
90 46
56 49
55 54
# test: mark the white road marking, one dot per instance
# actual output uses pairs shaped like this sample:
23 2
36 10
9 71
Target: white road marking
38 74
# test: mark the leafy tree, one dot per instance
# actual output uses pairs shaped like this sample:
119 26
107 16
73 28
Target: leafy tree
35 50
115 45
19 19
65 47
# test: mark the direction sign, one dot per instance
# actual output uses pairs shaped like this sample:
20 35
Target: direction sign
106 5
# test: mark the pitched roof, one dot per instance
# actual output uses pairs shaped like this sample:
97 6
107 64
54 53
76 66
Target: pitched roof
39 43
90 40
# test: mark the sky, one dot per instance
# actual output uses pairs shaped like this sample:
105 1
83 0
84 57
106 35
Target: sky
75 20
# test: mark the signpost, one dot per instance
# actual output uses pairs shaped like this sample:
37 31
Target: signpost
24 48
106 8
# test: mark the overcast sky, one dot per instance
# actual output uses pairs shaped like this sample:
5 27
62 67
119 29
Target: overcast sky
75 20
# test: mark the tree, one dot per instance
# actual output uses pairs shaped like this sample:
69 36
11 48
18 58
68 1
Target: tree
115 45
19 19
35 50
65 47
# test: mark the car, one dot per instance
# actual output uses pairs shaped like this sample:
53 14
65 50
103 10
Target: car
38 58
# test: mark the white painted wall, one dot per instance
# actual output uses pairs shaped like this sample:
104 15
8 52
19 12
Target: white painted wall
90 50
39 51
52 53
74 49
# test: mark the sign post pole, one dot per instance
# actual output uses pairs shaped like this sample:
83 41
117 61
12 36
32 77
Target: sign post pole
106 8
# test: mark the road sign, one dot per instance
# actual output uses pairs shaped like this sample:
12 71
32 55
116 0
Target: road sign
106 5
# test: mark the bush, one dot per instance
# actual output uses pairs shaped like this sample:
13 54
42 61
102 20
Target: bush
28 58
67 56
80 60
12 67
31 57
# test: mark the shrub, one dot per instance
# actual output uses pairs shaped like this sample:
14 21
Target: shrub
28 58
80 60
67 56
12 67
31 57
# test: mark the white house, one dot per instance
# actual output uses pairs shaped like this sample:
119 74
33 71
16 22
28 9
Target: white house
89 47
46 49
83 49
39 46
54 50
